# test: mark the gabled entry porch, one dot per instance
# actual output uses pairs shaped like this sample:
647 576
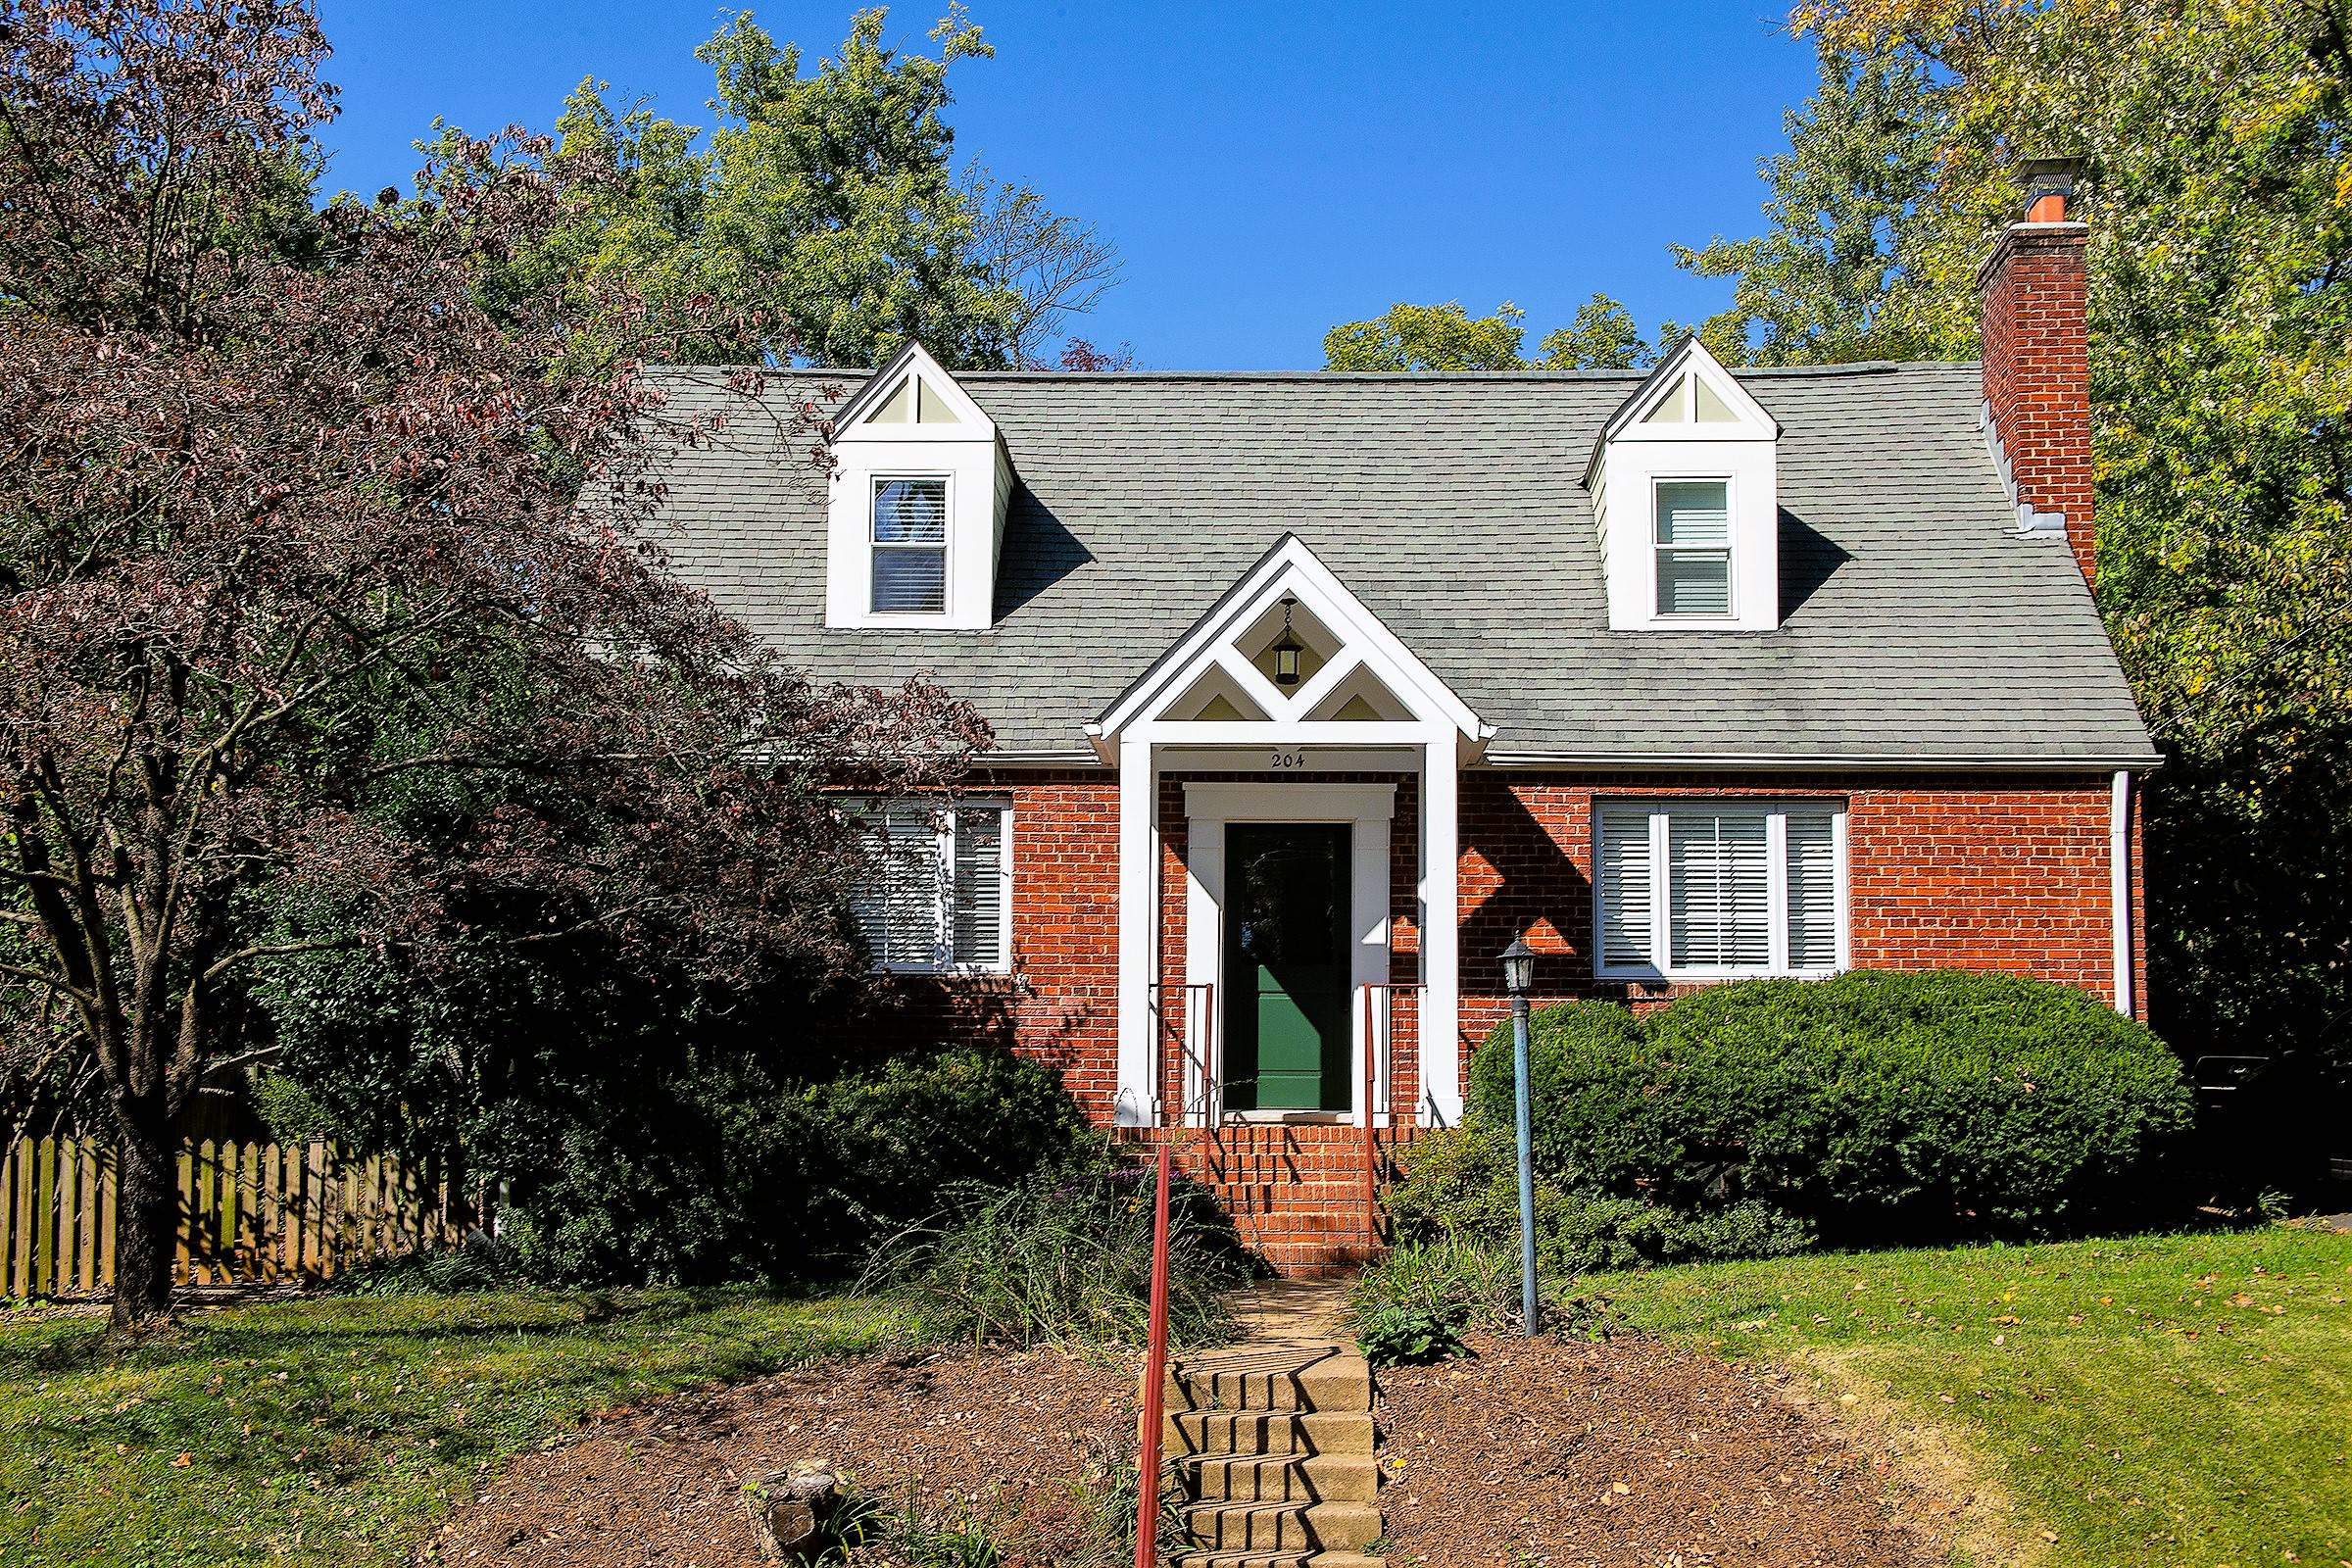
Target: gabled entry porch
1288 835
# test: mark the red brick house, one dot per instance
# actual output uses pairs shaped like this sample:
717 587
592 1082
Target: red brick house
1313 691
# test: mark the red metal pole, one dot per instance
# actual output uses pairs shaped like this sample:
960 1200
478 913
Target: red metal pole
1156 1373
1371 1138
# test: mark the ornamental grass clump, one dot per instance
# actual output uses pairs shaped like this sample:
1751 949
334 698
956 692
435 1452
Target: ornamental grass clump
1068 1260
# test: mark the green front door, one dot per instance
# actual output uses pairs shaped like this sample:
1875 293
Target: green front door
1285 967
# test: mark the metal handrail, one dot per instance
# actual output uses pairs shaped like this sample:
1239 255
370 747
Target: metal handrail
1203 1059
1379 1071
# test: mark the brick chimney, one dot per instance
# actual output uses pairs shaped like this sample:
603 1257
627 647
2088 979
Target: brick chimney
2036 360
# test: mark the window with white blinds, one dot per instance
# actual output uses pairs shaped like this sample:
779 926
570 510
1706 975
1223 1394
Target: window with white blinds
937 892
1695 547
910 546
1719 888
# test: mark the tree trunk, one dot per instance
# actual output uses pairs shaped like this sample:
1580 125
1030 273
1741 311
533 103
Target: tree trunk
146 1215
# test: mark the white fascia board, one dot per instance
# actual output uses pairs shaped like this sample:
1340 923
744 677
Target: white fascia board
1812 761
1275 732
1755 423
850 420
1289 568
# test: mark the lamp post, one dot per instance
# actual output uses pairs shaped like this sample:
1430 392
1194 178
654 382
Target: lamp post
1518 976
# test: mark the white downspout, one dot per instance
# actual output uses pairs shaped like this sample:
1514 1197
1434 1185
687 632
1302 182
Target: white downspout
2119 885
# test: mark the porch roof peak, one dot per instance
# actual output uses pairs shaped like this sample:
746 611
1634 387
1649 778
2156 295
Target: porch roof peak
1364 674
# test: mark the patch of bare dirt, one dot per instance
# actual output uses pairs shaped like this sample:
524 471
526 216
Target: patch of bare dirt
1009 1435
1632 1452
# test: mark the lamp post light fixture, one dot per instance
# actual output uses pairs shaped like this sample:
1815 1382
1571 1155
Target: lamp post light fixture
1518 978
1286 649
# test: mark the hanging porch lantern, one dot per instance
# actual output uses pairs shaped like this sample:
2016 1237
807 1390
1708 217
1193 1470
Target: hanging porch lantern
1286 649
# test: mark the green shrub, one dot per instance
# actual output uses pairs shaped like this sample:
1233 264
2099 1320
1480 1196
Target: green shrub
1463 1186
1457 1284
1464 1283
1068 1259
1588 1064
1884 1106
890 1148
1406 1336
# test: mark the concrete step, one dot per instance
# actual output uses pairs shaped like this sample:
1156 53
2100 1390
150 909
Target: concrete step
1282 1527
1284 1477
1252 1433
1311 1377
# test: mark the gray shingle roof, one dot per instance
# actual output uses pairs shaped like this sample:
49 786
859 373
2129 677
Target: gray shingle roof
1916 629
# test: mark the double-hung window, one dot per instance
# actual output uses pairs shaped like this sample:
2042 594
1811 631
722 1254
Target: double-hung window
1718 888
1694 545
910 547
936 895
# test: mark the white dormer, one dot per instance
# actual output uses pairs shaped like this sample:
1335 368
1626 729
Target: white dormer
915 517
1685 486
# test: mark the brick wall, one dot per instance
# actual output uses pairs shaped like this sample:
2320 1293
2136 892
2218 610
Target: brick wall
1967 872
2037 371
1061 1002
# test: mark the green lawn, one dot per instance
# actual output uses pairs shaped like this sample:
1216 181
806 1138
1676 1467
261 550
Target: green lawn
338 1430
2175 1400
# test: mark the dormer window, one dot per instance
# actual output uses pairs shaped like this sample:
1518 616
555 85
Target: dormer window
1686 491
1694 525
910 547
917 503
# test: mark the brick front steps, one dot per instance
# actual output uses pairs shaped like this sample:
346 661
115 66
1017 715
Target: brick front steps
1296 1191
1270 1449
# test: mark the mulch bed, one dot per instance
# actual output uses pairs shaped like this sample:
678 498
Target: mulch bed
1004 1433
1629 1453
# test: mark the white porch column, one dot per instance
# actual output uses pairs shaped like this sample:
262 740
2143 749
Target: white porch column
1139 902
1441 935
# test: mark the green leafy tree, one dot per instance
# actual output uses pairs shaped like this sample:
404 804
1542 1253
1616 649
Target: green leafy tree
1448 337
1601 337
1824 283
2219 193
1428 337
823 214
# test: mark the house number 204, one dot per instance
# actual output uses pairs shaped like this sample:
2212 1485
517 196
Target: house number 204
1286 760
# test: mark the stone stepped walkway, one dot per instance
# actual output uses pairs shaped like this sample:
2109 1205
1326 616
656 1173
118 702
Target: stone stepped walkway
1269 1442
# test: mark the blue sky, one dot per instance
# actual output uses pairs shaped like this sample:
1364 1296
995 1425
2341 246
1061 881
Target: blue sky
1266 169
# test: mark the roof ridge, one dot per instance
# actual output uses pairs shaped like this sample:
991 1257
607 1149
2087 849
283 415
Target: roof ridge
830 372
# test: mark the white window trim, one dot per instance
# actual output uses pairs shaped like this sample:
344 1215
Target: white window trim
944 941
1731 550
945 549
1775 812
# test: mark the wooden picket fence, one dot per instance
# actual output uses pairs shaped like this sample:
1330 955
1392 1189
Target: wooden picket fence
249 1213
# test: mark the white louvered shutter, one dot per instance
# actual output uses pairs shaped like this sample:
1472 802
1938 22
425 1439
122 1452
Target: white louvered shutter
980 886
1720 874
1628 888
1812 891
900 897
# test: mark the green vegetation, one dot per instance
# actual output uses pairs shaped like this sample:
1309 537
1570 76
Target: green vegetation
1603 336
1881 1106
1068 1259
2159 1399
334 1431
2221 346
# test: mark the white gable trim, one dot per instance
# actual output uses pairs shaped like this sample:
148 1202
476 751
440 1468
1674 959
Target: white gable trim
1753 424
972 422
1290 570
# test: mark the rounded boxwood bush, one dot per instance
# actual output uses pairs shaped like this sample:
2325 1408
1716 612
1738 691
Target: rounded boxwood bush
1883 1106
1589 1066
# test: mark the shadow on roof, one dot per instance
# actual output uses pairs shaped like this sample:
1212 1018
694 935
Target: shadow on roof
1808 558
